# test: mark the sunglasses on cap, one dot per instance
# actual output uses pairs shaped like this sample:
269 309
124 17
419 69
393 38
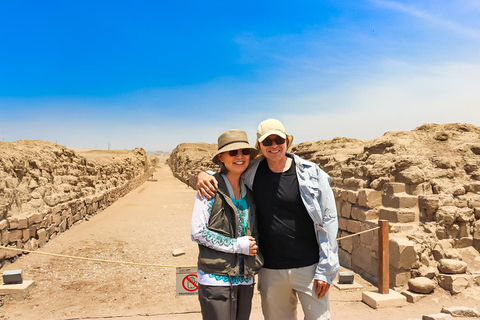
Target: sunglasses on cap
268 142
245 152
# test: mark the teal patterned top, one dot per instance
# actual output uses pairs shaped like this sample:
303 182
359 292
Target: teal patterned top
202 235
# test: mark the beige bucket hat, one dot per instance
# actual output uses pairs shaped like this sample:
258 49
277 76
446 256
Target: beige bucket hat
269 127
234 139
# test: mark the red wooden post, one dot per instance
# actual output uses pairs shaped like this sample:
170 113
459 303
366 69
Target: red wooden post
383 258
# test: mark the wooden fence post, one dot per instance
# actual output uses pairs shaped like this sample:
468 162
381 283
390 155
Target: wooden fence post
383 258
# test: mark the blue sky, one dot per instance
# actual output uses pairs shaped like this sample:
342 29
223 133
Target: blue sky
154 74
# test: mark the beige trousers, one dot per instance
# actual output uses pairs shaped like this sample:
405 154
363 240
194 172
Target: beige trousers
280 289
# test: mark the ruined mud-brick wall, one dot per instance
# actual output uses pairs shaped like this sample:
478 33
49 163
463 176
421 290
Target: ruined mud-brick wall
45 188
188 159
426 182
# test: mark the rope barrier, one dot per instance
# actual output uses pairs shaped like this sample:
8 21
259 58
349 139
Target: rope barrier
138 263
356 234
95 260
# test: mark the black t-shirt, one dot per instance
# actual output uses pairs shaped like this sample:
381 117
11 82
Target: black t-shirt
286 232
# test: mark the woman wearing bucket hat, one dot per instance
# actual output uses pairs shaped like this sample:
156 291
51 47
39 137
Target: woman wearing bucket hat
225 229
297 222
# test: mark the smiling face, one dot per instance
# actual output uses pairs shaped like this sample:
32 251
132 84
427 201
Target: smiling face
274 152
235 164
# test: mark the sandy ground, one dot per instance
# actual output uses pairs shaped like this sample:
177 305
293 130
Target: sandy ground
145 226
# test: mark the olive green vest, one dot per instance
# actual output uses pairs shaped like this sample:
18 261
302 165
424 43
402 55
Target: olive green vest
224 220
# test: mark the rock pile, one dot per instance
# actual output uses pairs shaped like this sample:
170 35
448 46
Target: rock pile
426 182
453 312
45 187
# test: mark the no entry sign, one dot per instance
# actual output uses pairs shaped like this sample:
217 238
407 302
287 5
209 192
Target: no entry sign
187 281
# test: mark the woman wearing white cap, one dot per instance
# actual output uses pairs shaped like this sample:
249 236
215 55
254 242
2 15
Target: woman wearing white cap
297 222
225 229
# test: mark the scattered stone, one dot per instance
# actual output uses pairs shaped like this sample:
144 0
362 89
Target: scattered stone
462 312
427 272
451 266
421 285
13 277
455 283
464 242
346 277
413 297
439 250
453 254
436 316
178 252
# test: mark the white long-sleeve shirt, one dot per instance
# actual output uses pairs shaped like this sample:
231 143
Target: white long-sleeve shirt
202 235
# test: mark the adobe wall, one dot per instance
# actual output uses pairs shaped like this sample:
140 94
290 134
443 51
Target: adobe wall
187 159
46 188
425 182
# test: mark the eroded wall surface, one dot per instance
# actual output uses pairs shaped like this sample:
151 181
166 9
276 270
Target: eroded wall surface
426 182
45 188
188 159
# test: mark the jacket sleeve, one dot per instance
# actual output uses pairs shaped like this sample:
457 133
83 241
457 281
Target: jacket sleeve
202 235
328 264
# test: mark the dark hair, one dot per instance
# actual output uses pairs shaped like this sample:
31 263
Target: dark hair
223 169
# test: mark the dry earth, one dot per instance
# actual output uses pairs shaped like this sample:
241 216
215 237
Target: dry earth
144 226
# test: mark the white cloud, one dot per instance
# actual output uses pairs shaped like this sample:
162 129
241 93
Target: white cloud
435 94
438 19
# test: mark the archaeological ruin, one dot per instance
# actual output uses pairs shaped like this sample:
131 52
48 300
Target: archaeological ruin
46 188
425 182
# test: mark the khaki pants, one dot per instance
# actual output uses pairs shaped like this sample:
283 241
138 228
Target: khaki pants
280 289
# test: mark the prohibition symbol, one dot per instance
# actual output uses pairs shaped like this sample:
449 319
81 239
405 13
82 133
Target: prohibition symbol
190 283
187 281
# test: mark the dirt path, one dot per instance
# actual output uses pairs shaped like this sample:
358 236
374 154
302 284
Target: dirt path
144 226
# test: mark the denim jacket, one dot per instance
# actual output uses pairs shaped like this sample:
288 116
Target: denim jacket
318 198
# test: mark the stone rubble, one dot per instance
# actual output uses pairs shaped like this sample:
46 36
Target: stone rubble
462 312
421 285
451 313
437 316
452 266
